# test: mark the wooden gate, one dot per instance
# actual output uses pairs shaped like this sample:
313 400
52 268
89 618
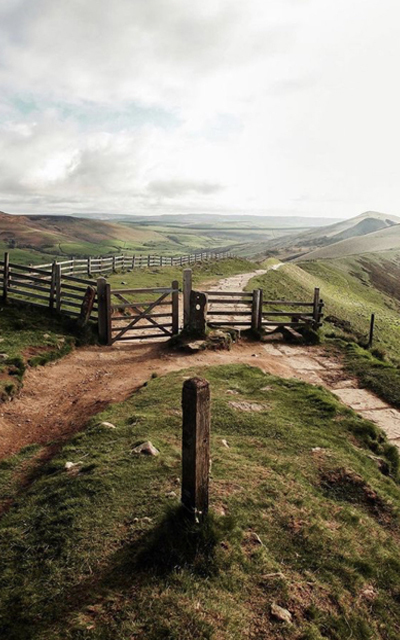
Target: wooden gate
137 314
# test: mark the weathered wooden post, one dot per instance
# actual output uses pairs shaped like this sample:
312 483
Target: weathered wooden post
87 306
58 288
104 310
187 288
196 446
114 264
53 285
6 275
175 307
316 309
260 314
89 267
198 313
371 331
255 310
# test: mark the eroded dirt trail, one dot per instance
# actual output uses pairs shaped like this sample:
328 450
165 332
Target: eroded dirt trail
59 399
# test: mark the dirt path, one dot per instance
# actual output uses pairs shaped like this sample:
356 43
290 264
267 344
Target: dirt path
59 399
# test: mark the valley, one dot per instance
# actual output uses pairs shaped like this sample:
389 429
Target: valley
304 482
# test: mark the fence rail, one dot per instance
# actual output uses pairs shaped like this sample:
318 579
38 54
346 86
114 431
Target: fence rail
109 264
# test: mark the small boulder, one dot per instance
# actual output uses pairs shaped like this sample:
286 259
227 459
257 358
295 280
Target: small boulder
281 614
3 356
147 448
225 443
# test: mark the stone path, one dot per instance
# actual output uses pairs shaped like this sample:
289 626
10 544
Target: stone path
318 366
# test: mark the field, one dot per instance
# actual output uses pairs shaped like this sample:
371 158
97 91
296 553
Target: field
309 523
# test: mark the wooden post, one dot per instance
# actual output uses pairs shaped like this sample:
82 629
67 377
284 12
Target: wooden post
148 260
6 275
316 309
196 446
104 310
260 314
87 306
89 267
58 287
255 310
53 285
114 264
187 288
175 307
371 331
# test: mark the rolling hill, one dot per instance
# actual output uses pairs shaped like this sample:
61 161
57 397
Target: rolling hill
386 239
365 226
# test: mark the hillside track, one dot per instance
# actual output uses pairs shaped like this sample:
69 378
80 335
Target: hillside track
59 399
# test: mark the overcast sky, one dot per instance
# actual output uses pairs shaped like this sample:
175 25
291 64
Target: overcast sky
285 107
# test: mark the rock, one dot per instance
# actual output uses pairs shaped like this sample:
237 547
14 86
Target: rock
281 614
46 336
147 519
171 494
256 538
147 448
225 443
3 356
248 406
123 282
109 425
316 449
73 468
291 335
232 392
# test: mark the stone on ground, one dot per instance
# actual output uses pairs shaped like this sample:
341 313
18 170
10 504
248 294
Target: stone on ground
147 448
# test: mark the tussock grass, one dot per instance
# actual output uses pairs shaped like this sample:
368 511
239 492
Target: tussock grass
311 523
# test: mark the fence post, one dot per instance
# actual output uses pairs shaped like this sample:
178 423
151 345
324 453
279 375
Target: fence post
58 287
104 310
53 285
255 310
114 264
316 308
187 288
175 307
260 314
6 275
371 331
89 267
196 446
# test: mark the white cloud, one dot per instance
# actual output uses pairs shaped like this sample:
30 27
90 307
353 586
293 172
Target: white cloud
218 105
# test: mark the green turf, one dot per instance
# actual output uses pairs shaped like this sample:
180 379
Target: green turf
352 289
311 523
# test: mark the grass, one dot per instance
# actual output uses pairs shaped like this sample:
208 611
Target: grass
311 523
203 272
31 337
352 290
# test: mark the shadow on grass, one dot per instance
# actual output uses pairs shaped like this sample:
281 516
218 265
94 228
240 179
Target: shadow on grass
176 543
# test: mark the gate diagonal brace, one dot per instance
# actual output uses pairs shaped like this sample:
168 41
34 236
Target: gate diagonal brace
136 320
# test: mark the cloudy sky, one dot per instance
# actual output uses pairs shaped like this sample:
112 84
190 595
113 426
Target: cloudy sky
157 106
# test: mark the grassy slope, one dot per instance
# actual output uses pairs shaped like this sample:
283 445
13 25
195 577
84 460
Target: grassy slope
103 554
31 337
352 289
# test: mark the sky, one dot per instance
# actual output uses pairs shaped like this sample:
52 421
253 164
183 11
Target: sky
273 107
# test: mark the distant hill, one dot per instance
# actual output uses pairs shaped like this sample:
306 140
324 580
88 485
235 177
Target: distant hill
364 225
385 239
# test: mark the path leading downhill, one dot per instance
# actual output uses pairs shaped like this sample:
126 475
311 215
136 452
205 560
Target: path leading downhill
59 399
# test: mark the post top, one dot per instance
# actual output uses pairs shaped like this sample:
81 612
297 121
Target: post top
196 383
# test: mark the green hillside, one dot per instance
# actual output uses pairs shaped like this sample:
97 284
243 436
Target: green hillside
301 518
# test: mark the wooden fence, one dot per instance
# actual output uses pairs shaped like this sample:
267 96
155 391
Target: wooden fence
248 310
50 288
110 264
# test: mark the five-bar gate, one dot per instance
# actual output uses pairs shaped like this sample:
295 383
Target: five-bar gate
137 314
